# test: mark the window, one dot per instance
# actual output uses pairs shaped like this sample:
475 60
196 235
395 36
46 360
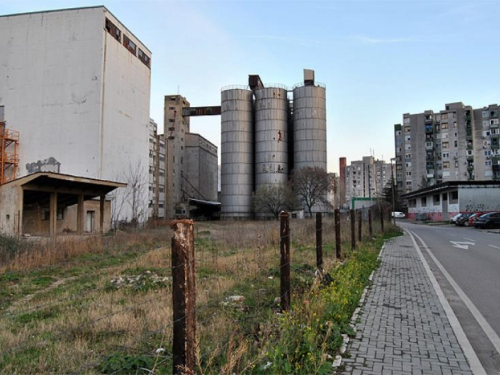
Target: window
436 199
128 44
453 196
444 116
486 114
454 124
146 60
412 203
423 201
445 144
487 163
444 125
455 143
446 155
113 30
446 164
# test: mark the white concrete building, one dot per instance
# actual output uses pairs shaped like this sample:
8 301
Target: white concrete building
75 83
443 201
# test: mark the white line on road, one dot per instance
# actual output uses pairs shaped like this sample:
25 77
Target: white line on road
492 335
475 365
469 239
496 247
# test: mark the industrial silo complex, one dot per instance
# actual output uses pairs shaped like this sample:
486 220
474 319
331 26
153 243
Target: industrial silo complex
267 132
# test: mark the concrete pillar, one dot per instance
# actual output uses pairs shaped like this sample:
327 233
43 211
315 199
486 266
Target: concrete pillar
80 220
101 213
53 215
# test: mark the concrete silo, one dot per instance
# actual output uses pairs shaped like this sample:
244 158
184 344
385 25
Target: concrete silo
271 135
309 123
237 148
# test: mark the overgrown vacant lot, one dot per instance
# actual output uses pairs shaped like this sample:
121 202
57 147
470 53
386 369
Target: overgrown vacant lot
103 305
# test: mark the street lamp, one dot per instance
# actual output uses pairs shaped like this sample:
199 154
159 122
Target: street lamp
393 194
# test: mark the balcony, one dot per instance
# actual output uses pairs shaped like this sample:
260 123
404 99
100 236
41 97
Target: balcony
429 166
429 129
470 157
429 119
470 167
429 146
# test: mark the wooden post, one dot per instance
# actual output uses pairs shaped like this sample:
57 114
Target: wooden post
183 298
338 250
285 261
53 215
382 220
360 223
370 229
319 241
353 229
79 215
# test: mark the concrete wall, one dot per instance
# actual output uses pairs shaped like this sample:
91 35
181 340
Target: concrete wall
10 201
480 199
202 167
51 86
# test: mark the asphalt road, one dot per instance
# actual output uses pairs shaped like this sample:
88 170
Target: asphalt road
466 263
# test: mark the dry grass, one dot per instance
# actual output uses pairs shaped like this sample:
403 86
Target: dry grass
73 326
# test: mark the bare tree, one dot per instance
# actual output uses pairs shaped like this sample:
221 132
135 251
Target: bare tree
311 185
130 204
272 199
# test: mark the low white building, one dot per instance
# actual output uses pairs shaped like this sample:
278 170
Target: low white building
443 201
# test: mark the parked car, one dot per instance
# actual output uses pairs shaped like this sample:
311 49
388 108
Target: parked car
462 220
398 214
488 220
454 219
474 217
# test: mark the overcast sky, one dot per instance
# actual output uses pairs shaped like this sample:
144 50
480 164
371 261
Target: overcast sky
378 59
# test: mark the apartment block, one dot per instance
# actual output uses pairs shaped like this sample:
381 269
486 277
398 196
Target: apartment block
366 178
458 143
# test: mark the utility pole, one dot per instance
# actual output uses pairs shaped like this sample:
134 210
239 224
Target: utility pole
393 192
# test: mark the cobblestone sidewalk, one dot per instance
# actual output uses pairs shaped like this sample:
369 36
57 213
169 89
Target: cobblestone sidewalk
402 327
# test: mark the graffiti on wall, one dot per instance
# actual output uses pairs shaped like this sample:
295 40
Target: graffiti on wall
46 165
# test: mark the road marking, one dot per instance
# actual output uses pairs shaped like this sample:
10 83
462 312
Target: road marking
496 247
492 335
462 245
474 362
469 239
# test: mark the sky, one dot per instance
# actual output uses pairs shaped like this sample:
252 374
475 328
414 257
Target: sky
378 59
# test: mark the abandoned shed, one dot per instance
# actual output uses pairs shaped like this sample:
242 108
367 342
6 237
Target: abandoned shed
45 204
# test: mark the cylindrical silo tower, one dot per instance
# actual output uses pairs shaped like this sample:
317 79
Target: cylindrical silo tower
271 135
309 126
237 137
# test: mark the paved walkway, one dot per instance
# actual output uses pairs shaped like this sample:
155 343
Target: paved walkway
402 327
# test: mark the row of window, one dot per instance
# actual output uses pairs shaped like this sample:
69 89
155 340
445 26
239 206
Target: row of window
127 43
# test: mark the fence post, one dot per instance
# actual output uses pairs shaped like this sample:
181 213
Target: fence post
353 230
382 220
319 241
370 229
183 297
285 261
360 223
338 250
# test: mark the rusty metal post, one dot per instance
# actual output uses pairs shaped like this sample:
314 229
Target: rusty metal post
285 261
183 297
382 220
338 249
370 229
353 229
360 223
319 241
